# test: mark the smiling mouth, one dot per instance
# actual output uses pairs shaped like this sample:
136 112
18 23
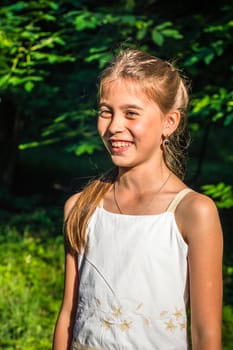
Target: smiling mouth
120 144
119 147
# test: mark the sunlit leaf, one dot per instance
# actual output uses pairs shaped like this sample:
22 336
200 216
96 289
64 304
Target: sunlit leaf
28 86
221 193
157 37
172 33
87 147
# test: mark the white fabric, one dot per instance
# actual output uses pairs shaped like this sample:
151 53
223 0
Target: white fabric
133 284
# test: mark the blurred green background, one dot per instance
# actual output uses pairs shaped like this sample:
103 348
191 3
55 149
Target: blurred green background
51 54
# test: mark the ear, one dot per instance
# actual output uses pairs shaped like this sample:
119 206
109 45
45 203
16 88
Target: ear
171 122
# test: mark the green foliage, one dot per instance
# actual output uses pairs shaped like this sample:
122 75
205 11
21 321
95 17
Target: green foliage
72 126
228 283
221 193
26 45
217 106
166 29
217 38
39 35
227 327
31 280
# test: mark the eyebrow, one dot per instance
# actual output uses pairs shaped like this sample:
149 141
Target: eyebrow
132 106
126 106
103 104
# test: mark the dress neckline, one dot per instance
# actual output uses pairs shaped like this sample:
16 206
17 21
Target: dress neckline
170 208
132 215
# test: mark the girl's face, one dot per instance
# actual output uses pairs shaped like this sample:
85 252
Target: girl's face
130 125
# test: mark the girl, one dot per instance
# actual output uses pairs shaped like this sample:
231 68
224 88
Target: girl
141 247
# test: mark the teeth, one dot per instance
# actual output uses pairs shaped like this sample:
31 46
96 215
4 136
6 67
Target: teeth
120 144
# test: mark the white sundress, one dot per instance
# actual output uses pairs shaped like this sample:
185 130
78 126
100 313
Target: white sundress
133 289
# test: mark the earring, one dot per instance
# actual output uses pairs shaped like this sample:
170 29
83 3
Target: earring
166 141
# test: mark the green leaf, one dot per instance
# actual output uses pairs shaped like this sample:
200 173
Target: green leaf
4 81
209 57
190 61
24 146
164 25
228 119
199 104
86 20
49 17
18 6
87 147
217 116
157 37
172 33
28 86
141 33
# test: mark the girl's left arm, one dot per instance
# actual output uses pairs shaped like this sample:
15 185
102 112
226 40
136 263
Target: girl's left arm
202 230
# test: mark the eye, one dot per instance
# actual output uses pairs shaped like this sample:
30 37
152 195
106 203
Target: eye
105 113
131 114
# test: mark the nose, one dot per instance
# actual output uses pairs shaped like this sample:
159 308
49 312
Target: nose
117 124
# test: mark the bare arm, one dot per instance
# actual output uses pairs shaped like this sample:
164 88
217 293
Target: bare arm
202 230
64 327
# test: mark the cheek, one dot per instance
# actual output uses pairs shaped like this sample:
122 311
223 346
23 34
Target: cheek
140 129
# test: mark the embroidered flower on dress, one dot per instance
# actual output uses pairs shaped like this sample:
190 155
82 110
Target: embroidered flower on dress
174 319
123 315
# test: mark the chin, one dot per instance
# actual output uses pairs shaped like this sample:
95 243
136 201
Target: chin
122 163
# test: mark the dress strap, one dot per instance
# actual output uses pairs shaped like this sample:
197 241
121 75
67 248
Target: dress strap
178 198
101 203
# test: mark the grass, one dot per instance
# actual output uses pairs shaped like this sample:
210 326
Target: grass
31 280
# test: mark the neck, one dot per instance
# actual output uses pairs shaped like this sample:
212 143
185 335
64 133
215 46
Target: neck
142 180
136 198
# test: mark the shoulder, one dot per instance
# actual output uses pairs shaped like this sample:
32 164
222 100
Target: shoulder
69 204
198 204
197 214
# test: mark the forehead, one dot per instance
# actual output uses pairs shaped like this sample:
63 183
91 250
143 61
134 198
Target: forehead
127 92
129 86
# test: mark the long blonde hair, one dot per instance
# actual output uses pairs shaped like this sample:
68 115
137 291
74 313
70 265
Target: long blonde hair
164 84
